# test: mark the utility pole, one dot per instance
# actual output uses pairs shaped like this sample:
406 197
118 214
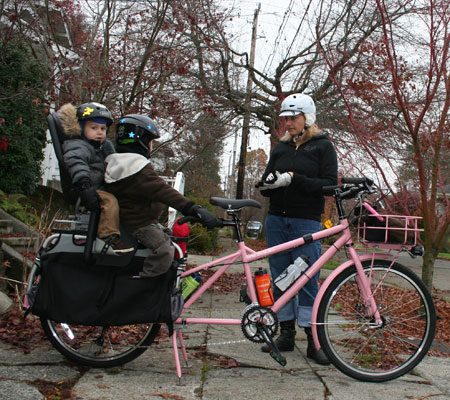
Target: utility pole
231 174
246 120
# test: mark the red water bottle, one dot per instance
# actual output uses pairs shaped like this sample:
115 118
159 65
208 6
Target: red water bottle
263 287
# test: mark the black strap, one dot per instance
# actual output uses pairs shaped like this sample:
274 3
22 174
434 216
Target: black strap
308 238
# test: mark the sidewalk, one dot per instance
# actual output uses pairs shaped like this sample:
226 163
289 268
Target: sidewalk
222 365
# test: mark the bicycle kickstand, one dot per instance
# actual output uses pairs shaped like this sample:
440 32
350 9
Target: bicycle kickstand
274 352
177 337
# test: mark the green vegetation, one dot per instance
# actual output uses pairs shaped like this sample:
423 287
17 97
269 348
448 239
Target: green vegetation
332 264
43 203
16 205
201 240
22 117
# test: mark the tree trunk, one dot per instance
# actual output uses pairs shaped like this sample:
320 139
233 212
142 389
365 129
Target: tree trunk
428 269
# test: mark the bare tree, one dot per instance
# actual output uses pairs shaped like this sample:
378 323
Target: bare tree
340 27
397 109
425 116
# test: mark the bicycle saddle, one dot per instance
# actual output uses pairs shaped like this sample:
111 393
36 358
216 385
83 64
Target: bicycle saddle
233 204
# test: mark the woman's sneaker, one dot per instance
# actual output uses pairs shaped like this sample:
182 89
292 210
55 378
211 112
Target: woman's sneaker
117 246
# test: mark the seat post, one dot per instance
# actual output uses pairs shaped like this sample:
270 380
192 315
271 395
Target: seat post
236 224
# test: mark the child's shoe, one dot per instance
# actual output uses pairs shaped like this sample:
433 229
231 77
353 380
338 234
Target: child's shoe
117 246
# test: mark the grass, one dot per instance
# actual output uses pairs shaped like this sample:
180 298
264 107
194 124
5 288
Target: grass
444 256
332 264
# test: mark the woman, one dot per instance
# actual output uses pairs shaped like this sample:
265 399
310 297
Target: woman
299 166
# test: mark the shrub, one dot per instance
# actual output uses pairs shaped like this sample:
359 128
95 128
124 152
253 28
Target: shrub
16 205
22 117
202 241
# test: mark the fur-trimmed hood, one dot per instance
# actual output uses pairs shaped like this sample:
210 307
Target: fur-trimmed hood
69 121
307 135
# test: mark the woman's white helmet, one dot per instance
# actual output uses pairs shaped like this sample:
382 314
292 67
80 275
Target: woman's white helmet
298 103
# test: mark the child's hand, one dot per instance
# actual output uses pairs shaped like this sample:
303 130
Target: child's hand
90 199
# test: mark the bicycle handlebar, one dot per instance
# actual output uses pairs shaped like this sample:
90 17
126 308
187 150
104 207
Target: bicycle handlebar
350 187
357 181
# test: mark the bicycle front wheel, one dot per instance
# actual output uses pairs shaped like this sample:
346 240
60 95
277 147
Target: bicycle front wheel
100 346
356 344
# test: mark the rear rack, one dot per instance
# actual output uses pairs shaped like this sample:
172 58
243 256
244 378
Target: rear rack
77 225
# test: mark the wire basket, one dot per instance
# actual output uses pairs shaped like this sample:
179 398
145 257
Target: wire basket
392 230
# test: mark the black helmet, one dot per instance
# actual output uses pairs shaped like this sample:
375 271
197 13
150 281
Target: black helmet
88 111
136 129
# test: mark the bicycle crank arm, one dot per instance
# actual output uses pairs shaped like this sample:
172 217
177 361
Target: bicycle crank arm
274 352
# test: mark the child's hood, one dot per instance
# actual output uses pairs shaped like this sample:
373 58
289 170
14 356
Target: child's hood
69 121
122 165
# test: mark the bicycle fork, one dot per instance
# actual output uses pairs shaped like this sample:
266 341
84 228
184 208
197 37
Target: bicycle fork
363 283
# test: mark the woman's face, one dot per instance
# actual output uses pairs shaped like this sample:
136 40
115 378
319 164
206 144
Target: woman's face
294 124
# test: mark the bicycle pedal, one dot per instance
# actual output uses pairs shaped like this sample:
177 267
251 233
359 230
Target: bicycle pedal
278 358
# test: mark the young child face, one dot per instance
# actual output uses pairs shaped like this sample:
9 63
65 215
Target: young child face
95 131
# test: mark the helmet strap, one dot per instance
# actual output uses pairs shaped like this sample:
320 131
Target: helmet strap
136 147
146 149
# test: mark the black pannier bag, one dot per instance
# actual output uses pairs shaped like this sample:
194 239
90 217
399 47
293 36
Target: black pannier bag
72 292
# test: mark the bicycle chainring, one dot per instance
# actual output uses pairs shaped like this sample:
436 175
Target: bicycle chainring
254 317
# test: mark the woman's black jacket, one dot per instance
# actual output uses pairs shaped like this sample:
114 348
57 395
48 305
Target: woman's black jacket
314 164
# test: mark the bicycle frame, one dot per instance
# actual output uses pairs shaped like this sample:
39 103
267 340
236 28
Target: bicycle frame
369 280
247 255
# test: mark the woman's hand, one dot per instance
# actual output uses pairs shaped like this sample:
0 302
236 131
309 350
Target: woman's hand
276 181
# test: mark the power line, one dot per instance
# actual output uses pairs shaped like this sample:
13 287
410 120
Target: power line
298 29
281 29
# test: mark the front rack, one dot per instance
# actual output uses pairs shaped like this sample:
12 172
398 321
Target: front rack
389 231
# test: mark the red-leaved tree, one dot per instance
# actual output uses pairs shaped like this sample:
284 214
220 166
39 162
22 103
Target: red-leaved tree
397 113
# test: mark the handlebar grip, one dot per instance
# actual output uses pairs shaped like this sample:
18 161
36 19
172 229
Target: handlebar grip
357 181
350 193
329 190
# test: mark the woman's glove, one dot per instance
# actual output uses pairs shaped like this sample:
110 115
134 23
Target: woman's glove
205 217
276 181
88 195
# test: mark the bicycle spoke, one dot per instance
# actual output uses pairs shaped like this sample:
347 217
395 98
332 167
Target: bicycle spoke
357 344
100 346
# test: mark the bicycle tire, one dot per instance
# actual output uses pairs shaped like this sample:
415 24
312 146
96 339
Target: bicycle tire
100 346
352 341
97 346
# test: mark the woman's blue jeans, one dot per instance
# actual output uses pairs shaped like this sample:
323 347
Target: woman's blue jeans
283 229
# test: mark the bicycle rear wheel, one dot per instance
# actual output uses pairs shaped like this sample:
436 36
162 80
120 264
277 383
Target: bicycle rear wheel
96 346
359 347
100 346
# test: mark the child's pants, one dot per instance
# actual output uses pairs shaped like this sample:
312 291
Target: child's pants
161 252
109 215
